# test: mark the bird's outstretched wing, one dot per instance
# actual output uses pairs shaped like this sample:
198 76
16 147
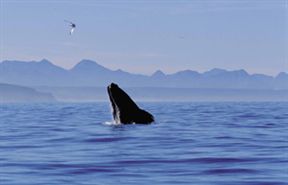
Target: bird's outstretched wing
69 22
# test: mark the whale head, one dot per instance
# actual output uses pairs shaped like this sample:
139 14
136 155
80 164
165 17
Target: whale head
124 109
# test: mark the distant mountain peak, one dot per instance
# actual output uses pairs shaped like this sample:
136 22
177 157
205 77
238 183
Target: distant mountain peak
88 65
240 72
214 71
158 73
121 71
44 60
218 70
282 75
88 62
188 72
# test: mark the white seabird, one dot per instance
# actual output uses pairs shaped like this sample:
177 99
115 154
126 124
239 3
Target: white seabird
72 25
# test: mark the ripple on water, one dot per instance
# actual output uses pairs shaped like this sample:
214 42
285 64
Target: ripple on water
191 143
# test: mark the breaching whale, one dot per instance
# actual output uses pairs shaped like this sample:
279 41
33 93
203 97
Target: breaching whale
125 109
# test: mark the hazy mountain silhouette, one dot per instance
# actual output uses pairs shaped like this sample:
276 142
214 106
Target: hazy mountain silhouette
14 93
90 73
32 73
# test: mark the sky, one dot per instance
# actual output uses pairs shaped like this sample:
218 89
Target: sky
143 36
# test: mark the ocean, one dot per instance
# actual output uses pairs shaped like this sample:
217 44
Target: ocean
220 143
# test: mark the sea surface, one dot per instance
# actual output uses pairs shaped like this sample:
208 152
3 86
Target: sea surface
190 143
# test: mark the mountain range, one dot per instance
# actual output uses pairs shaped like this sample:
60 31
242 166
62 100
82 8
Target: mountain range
90 73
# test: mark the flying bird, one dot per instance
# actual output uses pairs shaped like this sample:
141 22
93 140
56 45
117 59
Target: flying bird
72 25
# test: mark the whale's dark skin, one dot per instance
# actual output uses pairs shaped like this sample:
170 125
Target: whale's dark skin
125 110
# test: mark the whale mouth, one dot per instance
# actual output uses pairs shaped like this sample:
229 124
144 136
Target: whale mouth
112 101
109 89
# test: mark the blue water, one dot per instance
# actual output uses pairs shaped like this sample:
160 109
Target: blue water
191 143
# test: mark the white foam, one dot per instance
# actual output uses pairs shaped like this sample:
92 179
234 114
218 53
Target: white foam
111 123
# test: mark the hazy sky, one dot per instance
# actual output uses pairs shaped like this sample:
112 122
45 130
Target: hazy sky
143 36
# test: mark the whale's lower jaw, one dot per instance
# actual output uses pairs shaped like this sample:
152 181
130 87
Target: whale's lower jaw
124 109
